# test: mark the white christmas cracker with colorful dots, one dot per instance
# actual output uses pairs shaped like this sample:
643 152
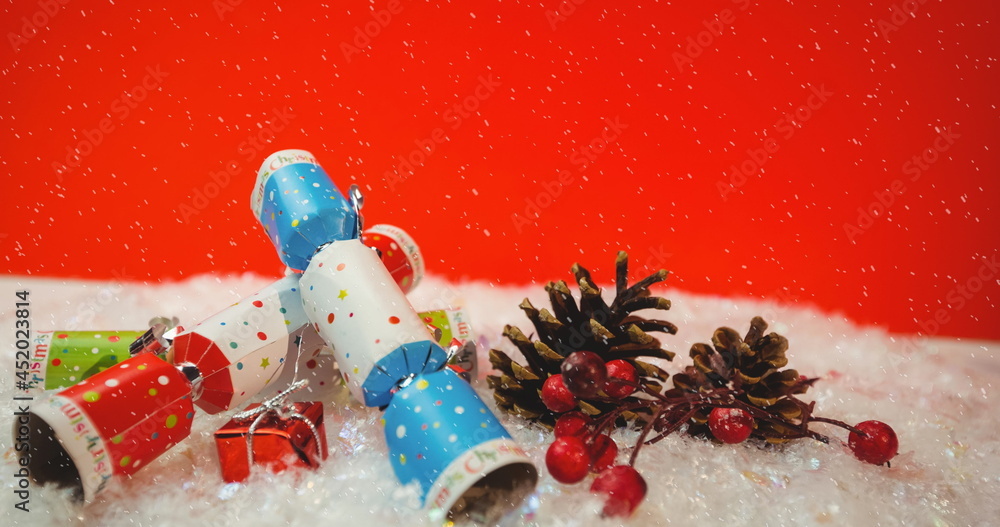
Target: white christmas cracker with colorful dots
357 307
242 349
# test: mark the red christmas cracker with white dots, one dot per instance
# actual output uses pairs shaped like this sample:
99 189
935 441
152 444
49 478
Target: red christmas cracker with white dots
117 421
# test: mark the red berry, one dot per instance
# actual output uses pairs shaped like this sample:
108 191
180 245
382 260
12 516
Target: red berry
584 373
878 444
556 396
603 452
568 459
572 424
619 369
730 425
622 487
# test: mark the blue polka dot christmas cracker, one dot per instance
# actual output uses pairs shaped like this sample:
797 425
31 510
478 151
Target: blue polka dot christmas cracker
299 207
350 297
382 345
442 436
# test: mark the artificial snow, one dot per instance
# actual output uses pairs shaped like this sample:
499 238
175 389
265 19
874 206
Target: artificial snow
937 394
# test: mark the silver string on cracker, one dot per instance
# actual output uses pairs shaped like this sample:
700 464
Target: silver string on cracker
463 355
357 200
298 357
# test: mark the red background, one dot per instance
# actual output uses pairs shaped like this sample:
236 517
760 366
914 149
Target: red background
132 208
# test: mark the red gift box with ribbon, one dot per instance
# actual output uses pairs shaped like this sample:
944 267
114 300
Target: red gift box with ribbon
276 435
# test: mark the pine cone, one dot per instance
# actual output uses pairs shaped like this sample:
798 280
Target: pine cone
751 364
611 331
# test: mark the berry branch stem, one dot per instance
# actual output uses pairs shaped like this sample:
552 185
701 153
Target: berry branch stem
639 387
611 416
676 424
835 422
642 436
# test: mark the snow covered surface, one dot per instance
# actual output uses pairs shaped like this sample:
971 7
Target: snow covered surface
938 394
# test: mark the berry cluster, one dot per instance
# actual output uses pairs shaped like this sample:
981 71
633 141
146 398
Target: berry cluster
583 444
582 374
614 331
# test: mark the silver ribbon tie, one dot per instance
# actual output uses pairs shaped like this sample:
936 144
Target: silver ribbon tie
279 406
